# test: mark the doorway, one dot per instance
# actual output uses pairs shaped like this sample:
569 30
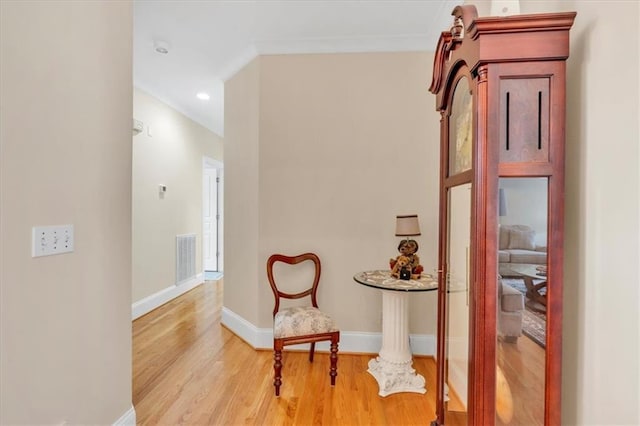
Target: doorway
212 217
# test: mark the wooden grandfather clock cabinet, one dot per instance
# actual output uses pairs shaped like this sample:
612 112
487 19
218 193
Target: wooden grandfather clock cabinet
500 88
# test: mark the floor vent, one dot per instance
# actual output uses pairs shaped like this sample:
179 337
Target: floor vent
185 258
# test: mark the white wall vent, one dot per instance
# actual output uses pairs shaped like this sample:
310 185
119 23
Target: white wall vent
185 258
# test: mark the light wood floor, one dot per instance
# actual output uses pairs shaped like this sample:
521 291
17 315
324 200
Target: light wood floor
188 369
523 366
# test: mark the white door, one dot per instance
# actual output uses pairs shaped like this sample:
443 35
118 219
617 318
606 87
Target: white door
210 218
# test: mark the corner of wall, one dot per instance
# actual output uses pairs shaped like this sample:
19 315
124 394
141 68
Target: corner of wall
127 419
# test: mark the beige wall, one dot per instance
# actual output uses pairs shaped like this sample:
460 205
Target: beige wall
65 142
172 156
345 142
242 269
601 344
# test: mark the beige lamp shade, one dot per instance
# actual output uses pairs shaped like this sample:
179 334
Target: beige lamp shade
407 226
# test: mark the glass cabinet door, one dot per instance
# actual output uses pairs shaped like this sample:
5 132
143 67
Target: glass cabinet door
457 304
457 256
522 307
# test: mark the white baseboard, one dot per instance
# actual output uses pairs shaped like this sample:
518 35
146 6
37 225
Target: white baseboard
423 344
150 303
127 419
350 341
259 338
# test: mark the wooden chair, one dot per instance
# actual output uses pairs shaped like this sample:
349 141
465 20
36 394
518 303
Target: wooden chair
296 325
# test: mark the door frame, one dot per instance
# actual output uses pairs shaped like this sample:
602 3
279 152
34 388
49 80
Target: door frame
208 163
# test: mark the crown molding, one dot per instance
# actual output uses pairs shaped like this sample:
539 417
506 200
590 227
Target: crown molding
398 43
372 44
238 62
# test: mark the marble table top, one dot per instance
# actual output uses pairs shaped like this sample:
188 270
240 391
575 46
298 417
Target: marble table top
382 279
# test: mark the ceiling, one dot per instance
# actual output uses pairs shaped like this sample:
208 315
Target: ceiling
209 41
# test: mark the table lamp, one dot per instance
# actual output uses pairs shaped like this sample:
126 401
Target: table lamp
407 264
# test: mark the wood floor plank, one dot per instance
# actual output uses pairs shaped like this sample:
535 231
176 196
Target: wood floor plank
190 370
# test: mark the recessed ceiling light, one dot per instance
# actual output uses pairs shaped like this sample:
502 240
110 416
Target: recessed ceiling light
203 96
161 47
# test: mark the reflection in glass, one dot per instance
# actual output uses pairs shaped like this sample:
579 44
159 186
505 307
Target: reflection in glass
522 285
457 312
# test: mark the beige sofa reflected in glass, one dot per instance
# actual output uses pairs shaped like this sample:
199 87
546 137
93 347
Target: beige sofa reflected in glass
516 248
517 245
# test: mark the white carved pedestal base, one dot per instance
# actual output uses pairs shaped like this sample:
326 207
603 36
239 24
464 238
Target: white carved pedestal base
393 367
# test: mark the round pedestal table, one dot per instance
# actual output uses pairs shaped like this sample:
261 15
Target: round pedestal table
392 368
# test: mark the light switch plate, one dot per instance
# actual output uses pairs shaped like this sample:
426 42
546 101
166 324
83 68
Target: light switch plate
50 240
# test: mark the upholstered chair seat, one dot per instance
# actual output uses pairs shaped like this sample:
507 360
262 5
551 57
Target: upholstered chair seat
302 321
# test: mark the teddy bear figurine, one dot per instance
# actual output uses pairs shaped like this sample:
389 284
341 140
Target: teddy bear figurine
401 267
407 249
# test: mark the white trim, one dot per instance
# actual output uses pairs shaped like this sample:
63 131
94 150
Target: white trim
127 419
457 376
158 299
423 344
350 341
208 162
212 163
387 43
240 61
259 338
315 45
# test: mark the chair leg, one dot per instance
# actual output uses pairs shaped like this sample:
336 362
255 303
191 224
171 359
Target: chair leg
334 360
277 369
311 351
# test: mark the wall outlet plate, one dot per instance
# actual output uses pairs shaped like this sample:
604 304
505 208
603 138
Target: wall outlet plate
50 240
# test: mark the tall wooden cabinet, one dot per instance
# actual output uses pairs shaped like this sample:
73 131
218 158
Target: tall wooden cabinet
500 87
